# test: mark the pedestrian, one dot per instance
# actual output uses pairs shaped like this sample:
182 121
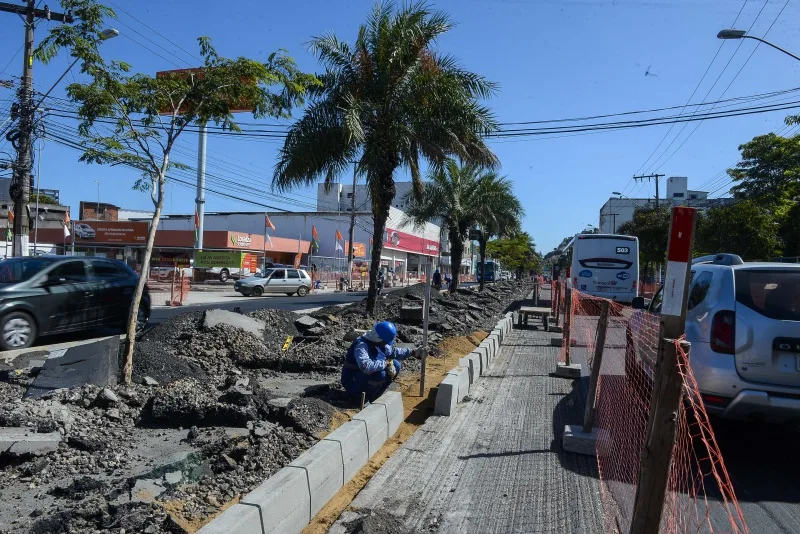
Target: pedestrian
437 279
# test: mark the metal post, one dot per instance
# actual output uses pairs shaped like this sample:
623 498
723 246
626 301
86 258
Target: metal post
425 313
536 294
567 322
597 361
665 404
97 211
351 246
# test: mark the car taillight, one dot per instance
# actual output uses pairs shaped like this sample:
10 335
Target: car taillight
723 332
574 281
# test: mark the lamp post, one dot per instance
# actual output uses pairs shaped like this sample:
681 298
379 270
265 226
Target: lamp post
741 34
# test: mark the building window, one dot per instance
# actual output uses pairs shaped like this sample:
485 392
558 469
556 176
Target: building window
677 195
349 195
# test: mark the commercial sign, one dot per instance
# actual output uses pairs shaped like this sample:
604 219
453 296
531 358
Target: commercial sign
410 243
241 240
208 258
359 249
123 232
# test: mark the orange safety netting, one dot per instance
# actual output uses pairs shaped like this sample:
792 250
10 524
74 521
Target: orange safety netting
700 496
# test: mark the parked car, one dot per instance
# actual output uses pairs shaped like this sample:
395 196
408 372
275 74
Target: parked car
280 280
84 231
226 273
743 321
54 294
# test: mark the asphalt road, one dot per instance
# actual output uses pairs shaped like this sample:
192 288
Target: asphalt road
292 303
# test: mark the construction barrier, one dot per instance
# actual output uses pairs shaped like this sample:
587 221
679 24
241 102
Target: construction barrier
700 496
172 282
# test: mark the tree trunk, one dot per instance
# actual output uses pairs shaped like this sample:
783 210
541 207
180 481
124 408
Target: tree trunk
482 267
456 253
127 369
379 227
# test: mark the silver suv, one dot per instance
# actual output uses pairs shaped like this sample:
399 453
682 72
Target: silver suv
278 280
743 321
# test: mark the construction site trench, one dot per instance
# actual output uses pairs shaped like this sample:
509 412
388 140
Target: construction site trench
219 402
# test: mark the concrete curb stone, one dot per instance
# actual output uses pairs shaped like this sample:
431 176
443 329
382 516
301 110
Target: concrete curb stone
354 446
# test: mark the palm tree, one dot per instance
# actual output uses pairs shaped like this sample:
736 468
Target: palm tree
387 102
500 214
450 196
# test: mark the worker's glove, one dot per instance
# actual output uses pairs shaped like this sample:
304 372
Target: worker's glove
391 370
419 352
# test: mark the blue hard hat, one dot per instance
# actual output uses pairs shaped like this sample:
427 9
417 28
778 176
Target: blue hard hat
386 331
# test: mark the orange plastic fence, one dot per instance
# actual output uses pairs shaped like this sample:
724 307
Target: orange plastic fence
700 495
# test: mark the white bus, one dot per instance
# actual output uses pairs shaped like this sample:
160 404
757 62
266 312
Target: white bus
606 265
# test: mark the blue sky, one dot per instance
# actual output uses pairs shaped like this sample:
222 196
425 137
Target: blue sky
551 59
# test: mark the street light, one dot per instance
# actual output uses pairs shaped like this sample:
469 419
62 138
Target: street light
741 34
104 35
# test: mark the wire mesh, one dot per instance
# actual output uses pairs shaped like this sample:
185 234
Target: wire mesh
700 496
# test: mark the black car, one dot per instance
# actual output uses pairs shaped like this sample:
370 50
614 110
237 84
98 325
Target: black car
53 294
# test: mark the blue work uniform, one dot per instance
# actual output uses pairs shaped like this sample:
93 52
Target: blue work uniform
364 369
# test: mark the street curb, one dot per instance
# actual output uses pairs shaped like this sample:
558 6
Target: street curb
460 380
286 502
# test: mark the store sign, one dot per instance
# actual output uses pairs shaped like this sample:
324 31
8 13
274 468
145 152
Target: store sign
207 258
359 249
241 240
127 232
410 243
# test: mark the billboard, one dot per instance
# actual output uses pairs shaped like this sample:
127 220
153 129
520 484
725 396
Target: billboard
122 232
209 258
410 243
359 249
199 74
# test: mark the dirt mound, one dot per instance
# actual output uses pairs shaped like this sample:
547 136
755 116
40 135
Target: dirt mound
376 522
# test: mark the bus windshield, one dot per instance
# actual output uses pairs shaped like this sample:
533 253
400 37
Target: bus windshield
606 265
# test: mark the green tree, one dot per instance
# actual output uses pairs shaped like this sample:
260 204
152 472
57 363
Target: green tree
386 102
149 114
450 196
769 169
651 226
742 228
518 253
500 215
42 199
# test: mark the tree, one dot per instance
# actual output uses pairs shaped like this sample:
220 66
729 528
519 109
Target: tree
518 253
500 214
386 102
651 226
42 199
742 228
769 169
148 114
449 196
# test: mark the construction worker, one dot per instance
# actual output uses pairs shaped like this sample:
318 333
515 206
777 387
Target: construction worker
372 361
437 280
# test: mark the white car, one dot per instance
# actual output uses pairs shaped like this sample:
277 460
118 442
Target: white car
278 280
84 231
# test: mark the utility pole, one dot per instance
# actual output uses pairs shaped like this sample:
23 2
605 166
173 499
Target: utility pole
655 177
21 184
614 215
352 228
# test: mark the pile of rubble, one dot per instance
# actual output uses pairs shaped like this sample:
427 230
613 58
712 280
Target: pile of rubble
203 422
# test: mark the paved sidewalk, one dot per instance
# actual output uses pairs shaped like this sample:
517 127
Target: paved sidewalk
495 465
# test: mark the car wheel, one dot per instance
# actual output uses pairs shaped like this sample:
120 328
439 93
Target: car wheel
142 318
18 331
302 291
224 275
258 291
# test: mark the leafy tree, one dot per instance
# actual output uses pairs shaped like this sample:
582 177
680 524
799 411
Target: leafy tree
518 253
769 169
500 214
651 226
149 114
386 102
450 196
742 228
42 199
